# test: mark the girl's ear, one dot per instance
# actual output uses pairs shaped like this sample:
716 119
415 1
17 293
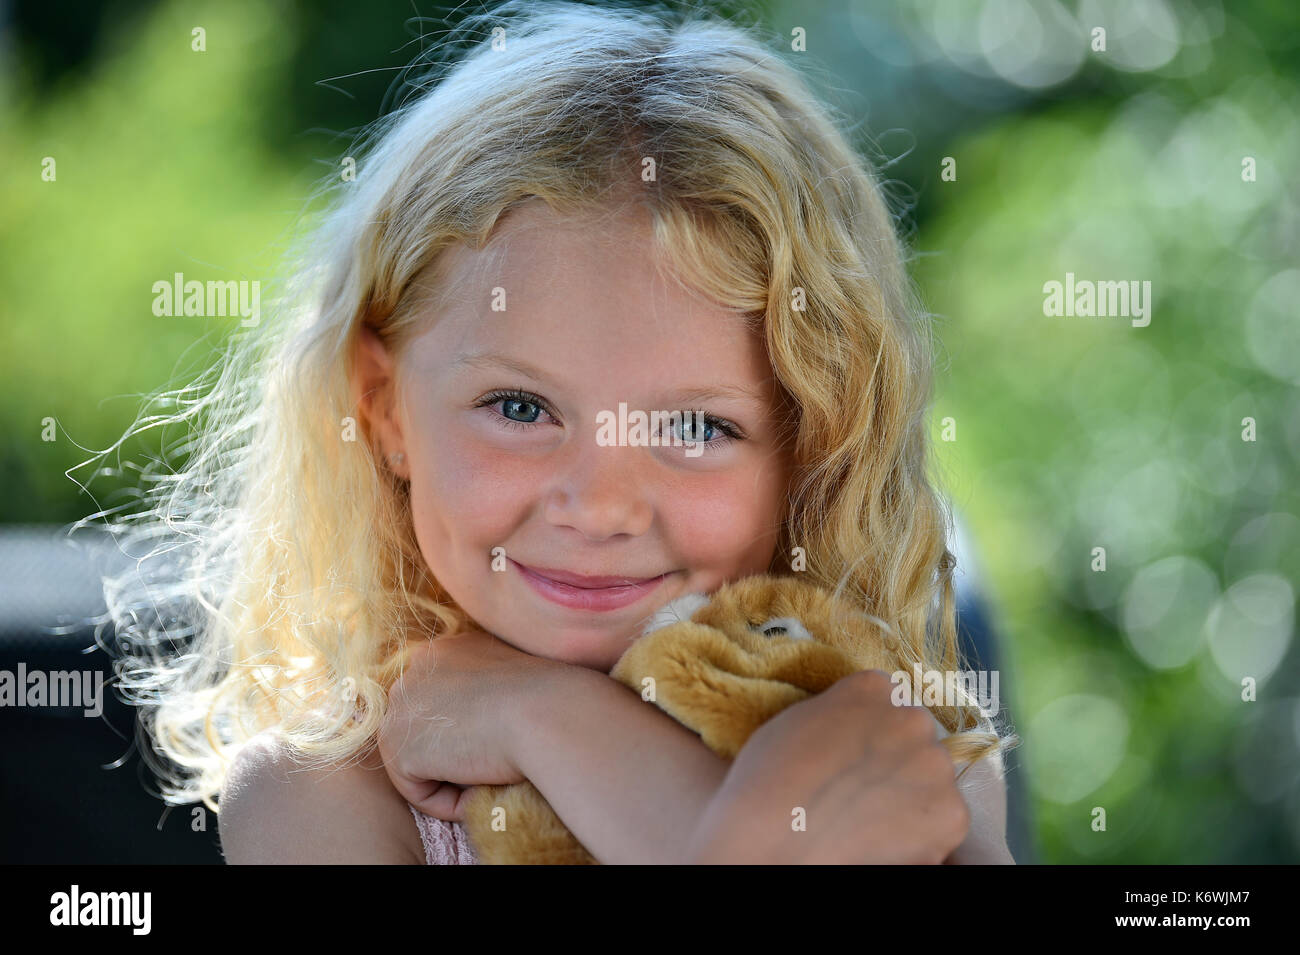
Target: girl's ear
374 392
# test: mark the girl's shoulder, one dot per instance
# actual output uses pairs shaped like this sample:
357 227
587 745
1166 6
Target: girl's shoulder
273 809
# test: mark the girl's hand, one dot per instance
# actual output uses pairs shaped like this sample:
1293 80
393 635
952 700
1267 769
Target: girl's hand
875 786
450 719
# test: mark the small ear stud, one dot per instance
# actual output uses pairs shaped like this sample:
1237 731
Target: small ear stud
396 459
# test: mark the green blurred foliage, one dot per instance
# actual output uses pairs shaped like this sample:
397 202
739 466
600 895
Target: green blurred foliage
1074 433
158 170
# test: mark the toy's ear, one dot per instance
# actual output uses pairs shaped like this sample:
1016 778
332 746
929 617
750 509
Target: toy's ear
679 610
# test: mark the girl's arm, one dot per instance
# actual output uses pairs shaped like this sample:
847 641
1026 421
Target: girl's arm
274 811
984 788
631 783
628 780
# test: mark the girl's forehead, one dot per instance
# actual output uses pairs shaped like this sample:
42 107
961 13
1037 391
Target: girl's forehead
597 280
534 239
572 312
585 303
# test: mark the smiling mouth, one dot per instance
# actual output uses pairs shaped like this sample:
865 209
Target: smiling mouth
591 593
586 582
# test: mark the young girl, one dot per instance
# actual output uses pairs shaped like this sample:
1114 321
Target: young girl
593 212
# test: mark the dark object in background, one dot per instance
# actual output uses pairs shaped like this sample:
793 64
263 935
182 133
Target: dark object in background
60 800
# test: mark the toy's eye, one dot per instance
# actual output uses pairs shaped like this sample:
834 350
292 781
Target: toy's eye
783 627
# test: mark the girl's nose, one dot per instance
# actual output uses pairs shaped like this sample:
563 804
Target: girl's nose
601 491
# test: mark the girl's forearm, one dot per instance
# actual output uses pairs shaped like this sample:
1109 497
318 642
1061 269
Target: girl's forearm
628 780
631 783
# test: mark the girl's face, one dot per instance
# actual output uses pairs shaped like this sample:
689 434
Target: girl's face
537 340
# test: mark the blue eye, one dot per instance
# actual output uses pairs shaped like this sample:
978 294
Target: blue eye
510 406
527 406
693 422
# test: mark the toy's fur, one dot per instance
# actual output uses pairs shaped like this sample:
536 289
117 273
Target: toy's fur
722 666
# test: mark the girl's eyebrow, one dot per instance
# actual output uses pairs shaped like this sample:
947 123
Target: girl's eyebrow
685 395
492 359
691 395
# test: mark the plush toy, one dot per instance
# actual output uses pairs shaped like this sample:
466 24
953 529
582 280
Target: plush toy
721 665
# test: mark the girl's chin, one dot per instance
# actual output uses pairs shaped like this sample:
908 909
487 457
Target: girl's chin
594 653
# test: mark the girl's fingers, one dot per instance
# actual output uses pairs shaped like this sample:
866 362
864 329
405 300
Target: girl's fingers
460 802
440 800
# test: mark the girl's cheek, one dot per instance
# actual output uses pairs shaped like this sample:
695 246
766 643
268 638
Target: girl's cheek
715 519
485 492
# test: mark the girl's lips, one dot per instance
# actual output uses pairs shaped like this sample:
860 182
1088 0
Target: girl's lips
587 598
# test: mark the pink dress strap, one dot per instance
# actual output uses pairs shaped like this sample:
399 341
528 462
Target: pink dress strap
445 843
